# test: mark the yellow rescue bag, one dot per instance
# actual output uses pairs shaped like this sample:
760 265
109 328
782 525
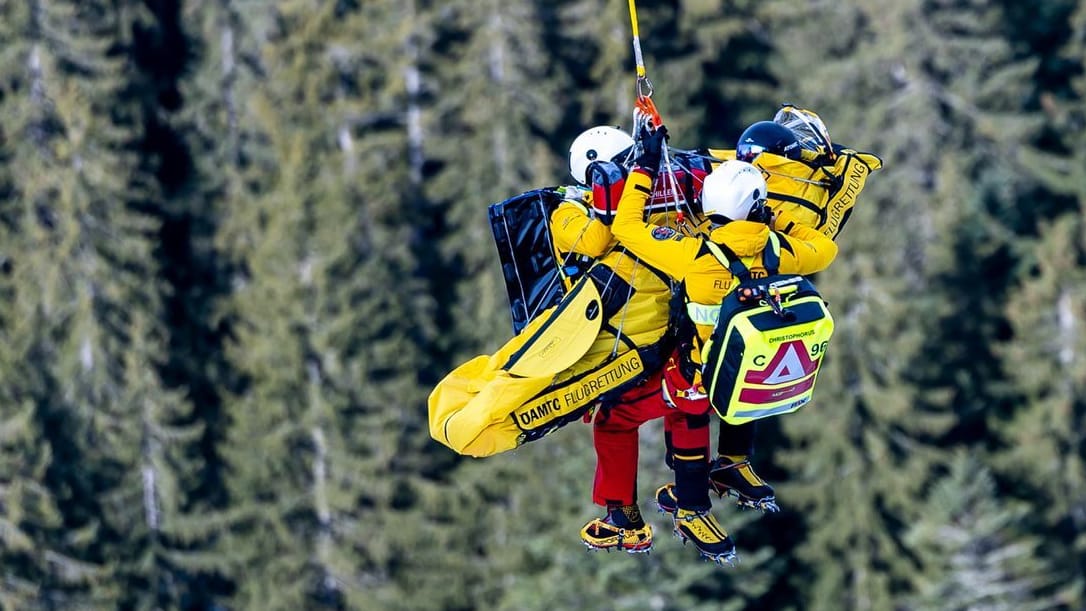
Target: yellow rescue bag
564 337
469 410
492 404
767 344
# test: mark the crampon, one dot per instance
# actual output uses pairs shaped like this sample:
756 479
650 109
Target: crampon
707 535
601 534
738 480
765 505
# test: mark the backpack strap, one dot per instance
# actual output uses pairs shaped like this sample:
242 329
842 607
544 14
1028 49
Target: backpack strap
771 257
799 201
729 260
619 248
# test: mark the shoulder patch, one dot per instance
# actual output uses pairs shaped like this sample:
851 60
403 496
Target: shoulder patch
663 233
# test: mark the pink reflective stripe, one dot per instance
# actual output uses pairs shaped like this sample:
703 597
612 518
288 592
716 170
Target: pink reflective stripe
761 396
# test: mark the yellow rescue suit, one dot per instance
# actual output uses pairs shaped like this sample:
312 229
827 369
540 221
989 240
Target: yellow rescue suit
688 259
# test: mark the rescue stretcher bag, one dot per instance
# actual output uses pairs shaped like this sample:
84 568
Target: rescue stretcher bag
763 356
495 403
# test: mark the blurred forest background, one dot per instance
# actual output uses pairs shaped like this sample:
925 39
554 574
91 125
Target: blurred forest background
241 240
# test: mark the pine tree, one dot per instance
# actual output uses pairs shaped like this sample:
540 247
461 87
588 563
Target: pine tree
24 504
975 548
938 94
425 557
485 152
709 63
197 64
320 451
591 41
1046 340
145 432
211 224
80 307
1046 434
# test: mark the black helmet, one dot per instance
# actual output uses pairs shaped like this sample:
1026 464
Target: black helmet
767 136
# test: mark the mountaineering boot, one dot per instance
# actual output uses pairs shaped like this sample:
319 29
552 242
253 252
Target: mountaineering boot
666 500
622 528
733 475
702 529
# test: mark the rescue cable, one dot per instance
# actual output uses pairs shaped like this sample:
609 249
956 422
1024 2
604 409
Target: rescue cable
646 116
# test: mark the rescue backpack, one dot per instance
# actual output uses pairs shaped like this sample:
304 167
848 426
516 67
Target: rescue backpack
767 345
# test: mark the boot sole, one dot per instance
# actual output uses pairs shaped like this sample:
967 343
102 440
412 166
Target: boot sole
765 505
640 548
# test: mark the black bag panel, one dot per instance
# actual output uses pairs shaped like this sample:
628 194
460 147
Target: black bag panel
521 227
729 370
804 312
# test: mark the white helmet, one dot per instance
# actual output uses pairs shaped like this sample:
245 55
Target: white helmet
600 143
732 189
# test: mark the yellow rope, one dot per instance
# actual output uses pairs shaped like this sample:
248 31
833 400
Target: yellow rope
636 42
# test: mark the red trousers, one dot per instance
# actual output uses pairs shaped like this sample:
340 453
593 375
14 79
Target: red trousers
615 434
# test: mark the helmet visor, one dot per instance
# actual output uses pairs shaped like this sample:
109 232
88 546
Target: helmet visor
808 127
747 151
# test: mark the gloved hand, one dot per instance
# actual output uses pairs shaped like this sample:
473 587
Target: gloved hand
761 214
652 145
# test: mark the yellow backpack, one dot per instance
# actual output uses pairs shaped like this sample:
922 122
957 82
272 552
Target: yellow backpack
763 356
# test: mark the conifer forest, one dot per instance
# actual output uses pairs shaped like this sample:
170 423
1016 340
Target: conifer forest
242 240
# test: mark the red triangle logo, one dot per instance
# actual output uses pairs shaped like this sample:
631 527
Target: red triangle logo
789 364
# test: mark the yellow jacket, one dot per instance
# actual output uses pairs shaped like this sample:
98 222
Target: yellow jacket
573 230
803 250
640 304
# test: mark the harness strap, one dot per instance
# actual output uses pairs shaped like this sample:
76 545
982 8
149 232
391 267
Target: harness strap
805 203
659 274
729 260
609 297
620 337
771 257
